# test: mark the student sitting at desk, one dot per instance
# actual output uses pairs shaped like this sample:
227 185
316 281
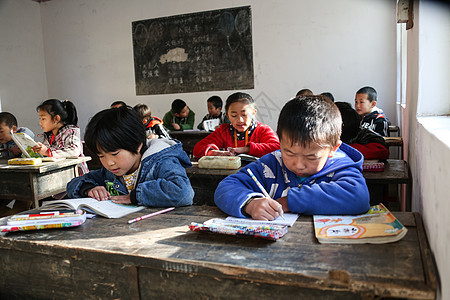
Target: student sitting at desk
372 117
8 122
62 136
243 135
313 173
135 169
215 104
153 125
370 144
180 117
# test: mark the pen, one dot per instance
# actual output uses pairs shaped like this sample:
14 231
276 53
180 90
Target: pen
263 190
151 215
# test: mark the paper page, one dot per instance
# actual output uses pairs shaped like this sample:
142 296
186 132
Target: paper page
106 208
289 220
25 143
210 125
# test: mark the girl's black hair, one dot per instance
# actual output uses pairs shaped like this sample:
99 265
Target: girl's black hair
239 97
310 119
115 128
65 109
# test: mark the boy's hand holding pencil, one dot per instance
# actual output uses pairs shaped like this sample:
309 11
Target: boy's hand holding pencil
263 208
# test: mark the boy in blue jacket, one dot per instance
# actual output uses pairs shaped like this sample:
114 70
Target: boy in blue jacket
312 173
135 169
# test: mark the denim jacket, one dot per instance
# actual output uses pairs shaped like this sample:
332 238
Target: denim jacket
162 179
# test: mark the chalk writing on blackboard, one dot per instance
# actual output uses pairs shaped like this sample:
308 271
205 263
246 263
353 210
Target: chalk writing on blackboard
205 51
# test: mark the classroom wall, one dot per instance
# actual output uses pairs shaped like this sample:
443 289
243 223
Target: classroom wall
427 138
22 68
336 46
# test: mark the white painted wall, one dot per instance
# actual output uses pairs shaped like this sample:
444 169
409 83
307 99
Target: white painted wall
336 46
428 138
23 82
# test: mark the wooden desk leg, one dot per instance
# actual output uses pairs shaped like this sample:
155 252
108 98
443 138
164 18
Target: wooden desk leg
34 195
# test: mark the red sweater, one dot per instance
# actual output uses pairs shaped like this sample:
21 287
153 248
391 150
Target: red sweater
372 150
262 141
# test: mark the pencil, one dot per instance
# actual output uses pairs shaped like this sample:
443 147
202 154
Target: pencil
151 215
263 190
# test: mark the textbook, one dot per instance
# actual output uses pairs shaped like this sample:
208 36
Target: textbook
265 231
377 226
44 220
107 208
210 125
26 144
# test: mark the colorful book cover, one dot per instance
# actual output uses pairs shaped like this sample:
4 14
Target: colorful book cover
377 226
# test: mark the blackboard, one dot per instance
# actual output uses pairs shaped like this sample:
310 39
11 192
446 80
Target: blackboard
204 51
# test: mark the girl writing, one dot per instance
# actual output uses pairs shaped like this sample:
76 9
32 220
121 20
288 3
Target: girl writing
58 120
244 134
135 169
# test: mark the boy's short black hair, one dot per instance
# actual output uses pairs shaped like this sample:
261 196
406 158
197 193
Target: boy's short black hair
329 95
351 121
216 101
304 92
310 119
178 105
8 118
118 103
113 129
370 91
239 97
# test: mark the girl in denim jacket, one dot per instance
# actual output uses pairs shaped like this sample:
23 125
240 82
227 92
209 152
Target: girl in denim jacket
135 169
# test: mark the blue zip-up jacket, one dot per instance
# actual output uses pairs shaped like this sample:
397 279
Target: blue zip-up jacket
162 179
339 188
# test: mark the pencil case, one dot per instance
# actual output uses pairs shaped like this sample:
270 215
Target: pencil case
219 162
373 166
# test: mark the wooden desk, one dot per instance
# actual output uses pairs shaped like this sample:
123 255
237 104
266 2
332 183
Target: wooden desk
36 182
205 181
189 139
161 258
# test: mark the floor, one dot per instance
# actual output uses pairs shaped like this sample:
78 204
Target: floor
7 208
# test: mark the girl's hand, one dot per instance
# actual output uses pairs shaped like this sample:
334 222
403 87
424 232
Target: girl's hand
239 150
99 193
41 149
219 153
263 209
176 126
122 199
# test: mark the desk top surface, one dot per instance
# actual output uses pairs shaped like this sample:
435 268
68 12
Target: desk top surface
44 167
401 269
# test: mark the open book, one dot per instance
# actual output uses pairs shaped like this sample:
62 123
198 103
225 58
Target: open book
107 208
210 125
377 226
26 144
